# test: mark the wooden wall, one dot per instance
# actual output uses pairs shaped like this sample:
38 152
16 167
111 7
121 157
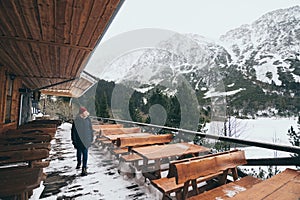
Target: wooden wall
4 76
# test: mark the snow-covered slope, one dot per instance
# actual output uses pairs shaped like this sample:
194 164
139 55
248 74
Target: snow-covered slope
266 44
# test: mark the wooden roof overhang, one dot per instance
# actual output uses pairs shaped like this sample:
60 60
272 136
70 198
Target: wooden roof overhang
48 42
74 88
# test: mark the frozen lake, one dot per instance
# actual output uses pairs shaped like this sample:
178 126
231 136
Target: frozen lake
272 130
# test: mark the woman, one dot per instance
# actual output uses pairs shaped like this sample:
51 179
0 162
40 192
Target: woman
82 138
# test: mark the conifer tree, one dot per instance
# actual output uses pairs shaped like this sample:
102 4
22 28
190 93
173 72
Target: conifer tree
295 138
102 107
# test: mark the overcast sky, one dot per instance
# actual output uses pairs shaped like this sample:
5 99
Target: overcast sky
209 18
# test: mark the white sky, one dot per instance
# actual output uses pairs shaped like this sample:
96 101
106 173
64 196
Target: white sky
209 18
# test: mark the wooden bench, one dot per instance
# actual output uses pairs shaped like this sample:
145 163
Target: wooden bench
23 148
98 127
37 126
21 154
13 139
46 121
140 141
117 150
120 151
192 171
112 131
128 143
167 184
104 142
18 182
28 131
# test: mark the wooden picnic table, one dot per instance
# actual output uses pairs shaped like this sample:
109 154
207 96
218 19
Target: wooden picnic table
114 138
167 151
285 185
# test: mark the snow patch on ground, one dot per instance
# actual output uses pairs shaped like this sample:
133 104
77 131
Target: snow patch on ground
102 182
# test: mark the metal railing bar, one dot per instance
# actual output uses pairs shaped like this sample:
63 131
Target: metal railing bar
273 161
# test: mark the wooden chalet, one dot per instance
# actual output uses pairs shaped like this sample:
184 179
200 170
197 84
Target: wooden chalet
44 48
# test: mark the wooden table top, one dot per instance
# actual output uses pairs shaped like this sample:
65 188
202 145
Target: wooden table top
168 150
129 135
285 185
227 190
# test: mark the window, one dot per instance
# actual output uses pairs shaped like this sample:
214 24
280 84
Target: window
9 94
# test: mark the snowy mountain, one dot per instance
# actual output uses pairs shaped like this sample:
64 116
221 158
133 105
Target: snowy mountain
190 57
264 52
269 44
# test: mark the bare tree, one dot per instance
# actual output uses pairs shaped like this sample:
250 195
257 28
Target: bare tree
56 107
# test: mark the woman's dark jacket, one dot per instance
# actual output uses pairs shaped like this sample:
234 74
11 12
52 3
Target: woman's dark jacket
82 132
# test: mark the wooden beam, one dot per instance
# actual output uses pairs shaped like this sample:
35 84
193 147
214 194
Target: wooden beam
57 93
65 81
44 77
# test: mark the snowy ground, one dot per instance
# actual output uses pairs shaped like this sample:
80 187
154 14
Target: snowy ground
103 181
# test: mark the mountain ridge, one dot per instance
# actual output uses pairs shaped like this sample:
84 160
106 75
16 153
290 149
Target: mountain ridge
249 46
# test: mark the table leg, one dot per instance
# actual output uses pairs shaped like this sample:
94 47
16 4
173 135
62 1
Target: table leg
157 168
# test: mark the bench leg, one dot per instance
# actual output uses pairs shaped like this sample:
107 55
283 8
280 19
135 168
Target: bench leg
195 187
165 197
234 173
223 178
178 195
185 190
157 168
